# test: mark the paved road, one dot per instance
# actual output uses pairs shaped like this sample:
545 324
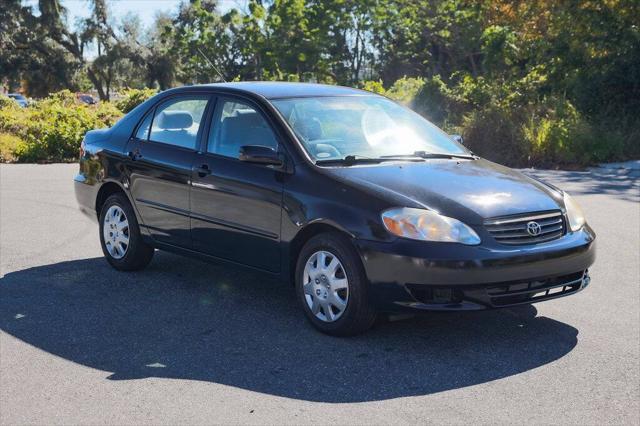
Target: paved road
190 342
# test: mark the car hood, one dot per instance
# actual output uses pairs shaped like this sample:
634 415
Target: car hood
470 190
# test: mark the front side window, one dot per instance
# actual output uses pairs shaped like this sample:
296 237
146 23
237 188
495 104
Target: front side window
237 124
368 126
177 121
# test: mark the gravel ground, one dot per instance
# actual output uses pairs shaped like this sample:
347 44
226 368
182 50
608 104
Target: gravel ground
189 342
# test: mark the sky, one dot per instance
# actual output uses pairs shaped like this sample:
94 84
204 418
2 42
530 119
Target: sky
145 9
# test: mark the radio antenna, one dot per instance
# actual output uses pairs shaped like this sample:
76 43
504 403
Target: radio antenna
211 65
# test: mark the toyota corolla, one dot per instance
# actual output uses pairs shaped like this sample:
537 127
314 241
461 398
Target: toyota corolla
363 205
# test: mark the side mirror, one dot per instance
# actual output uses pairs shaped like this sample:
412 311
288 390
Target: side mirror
458 139
259 154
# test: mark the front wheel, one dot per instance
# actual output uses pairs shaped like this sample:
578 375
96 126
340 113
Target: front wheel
120 237
332 287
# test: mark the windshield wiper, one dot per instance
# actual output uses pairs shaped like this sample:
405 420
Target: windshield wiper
350 160
430 155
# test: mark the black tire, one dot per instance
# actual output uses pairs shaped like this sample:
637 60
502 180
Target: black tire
138 254
359 314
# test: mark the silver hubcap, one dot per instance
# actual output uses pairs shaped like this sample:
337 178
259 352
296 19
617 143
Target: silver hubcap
326 288
115 231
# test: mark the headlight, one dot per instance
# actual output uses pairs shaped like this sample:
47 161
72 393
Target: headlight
574 213
427 225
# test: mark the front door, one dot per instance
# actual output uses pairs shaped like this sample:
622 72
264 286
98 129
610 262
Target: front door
162 155
236 206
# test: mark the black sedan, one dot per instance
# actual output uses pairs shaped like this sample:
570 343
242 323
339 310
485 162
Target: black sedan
363 205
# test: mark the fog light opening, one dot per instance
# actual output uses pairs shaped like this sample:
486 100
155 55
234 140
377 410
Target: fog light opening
434 296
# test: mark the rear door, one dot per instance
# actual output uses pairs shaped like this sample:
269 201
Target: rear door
161 158
236 206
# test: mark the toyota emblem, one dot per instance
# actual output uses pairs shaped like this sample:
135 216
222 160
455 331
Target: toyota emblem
533 228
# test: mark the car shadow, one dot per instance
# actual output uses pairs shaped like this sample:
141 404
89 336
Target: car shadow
189 320
619 183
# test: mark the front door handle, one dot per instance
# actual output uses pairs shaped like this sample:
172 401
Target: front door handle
203 170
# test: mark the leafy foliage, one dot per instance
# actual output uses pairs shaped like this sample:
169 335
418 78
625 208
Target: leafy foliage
9 145
528 82
405 89
131 98
374 86
52 129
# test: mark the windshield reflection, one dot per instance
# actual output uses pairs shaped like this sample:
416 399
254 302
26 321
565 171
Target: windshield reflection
365 126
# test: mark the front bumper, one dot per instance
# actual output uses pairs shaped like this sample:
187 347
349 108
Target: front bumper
415 275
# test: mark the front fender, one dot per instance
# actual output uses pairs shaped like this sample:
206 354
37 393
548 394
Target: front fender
318 199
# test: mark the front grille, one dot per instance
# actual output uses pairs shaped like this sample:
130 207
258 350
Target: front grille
533 291
514 229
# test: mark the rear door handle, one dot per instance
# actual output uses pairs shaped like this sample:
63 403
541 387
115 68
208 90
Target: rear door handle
203 170
135 155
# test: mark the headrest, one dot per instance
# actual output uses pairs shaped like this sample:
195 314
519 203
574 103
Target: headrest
235 128
310 130
244 129
244 112
240 124
174 120
246 117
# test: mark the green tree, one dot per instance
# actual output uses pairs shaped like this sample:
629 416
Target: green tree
27 55
202 42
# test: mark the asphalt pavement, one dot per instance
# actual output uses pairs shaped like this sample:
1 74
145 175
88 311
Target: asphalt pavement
189 342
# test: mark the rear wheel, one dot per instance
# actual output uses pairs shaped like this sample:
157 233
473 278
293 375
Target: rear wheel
120 237
332 287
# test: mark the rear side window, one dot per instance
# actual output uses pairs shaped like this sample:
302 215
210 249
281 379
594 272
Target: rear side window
177 121
237 124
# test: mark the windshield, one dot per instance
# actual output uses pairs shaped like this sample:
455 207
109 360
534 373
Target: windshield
366 126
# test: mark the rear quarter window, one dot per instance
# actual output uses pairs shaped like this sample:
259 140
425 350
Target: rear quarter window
144 126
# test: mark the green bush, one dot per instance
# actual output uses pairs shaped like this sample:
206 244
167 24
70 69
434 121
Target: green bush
556 134
373 86
7 102
495 133
131 98
9 146
52 129
11 115
510 123
438 103
405 89
613 139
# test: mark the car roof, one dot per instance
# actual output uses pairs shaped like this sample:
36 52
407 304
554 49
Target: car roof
278 89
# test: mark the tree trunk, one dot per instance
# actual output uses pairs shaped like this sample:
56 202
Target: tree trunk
474 67
96 83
